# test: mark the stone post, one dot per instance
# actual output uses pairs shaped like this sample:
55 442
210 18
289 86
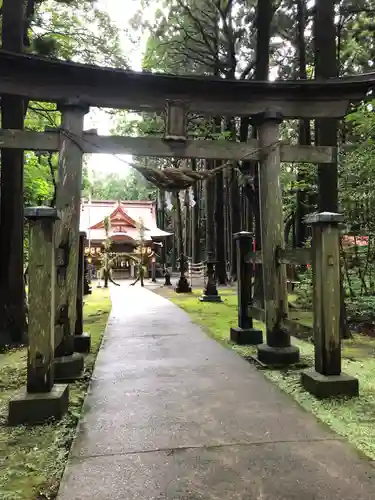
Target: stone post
182 284
82 341
244 334
278 349
87 277
210 292
327 379
167 276
68 365
42 399
153 268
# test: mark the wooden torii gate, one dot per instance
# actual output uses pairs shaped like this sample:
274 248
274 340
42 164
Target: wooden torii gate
76 87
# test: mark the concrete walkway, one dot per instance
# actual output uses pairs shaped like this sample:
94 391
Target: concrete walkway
173 415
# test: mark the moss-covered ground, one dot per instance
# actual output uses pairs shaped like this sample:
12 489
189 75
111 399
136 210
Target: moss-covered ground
352 418
32 458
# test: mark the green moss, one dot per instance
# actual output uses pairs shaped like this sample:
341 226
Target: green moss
352 418
32 459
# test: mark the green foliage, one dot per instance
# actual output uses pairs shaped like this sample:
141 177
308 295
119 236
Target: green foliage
38 189
357 180
114 187
73 30
357 199
304 289
361 309
76 30
107 227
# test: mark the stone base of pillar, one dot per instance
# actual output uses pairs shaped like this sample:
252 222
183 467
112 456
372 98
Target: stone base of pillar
280 356
167 279
210 298
37 408
246 336
87 288
183 286
82 343
323 386
68 368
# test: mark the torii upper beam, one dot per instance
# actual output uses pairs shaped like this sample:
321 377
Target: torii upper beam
44 79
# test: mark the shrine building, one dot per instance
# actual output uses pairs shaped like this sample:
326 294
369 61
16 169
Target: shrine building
125 217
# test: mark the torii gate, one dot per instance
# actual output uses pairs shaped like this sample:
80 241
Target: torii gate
76 87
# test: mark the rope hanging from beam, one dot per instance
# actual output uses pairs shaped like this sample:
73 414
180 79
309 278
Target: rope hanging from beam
174 179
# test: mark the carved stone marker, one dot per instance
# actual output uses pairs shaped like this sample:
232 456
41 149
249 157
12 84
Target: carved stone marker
327 379
41 399
244 334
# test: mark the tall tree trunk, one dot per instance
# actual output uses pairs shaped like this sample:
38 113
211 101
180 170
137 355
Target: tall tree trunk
187 227
12 290
326 129
227 220
304 133
209 196
233 206
179 226
263 29
161 224
220 268
195 232
174 245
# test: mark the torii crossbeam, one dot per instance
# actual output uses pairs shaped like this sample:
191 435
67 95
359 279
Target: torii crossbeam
43 79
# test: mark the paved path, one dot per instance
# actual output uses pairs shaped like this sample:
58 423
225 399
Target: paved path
172 415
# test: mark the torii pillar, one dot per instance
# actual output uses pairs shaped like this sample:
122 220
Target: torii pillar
278 349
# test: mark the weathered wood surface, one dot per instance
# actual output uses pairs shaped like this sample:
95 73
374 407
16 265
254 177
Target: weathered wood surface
80 285
272 231
326 292
294 328
43 79
296 256
41 277
67 229
254 257
11 195
256 313
152 146
298 330
176 120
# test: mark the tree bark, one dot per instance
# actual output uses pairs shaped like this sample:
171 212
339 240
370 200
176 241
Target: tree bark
220 267
263 29
304 133
12 291
235 212
195 233
209 206
326 129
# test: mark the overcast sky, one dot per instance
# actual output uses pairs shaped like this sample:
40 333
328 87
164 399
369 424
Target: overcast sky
121 11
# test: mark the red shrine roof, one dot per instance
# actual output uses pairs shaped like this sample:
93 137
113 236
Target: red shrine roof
124 216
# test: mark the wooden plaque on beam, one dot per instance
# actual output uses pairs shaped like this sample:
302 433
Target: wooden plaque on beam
175 121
